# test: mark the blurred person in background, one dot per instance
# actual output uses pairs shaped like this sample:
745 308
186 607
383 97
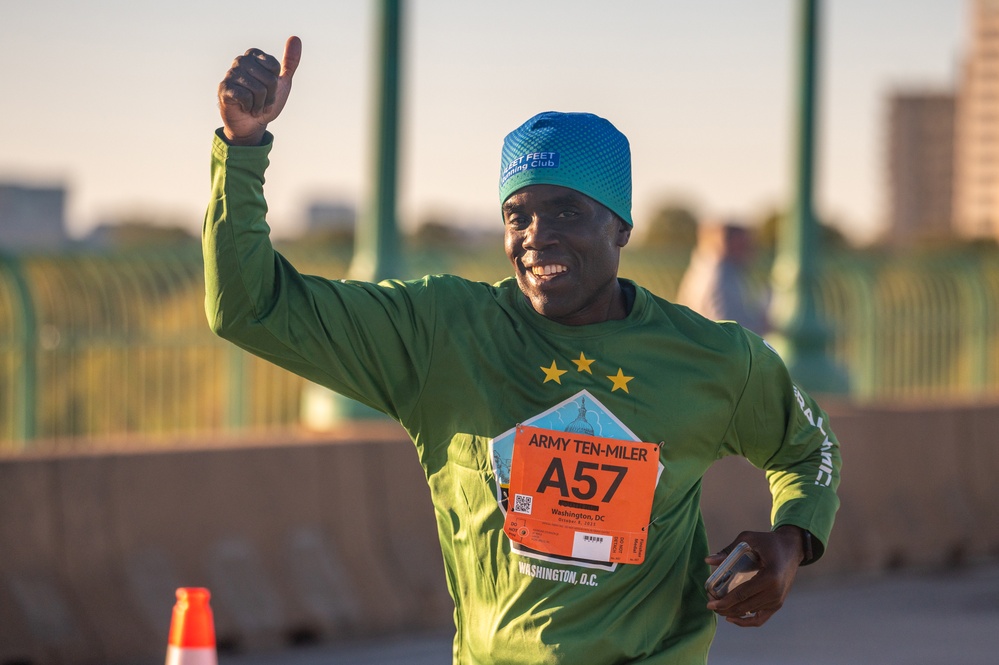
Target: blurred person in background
717 283
558 415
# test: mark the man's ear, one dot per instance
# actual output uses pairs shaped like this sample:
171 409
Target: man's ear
623 233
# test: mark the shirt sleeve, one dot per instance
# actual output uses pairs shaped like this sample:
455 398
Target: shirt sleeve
783 431
367 341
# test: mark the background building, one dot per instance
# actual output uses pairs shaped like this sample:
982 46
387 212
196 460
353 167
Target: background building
330 220
920 165
32 217
976 177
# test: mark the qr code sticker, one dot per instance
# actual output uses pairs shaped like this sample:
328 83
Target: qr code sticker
522 503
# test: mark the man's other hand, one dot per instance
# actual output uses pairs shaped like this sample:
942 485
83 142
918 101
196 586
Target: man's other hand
755 601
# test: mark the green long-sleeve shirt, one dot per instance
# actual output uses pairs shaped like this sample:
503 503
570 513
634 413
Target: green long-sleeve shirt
461 363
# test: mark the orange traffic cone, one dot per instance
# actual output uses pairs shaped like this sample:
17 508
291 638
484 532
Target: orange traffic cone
192 630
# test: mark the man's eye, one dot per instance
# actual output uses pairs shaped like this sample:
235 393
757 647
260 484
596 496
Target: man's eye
516 221
567 213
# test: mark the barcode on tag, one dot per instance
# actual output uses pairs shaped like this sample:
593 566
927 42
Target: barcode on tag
593 546
522 503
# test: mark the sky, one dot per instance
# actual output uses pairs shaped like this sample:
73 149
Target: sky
115 99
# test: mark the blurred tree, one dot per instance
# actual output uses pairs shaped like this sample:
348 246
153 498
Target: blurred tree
672 226
443 230
435 233
325 237
135 231
830 237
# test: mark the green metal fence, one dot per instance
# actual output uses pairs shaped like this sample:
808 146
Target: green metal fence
99 348
916 328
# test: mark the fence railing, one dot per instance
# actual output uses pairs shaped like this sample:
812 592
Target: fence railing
910 328
108 346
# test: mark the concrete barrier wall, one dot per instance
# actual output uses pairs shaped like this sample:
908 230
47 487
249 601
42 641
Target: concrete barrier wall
297 541
318 540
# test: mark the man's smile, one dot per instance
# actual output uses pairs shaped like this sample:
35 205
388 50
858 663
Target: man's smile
547 270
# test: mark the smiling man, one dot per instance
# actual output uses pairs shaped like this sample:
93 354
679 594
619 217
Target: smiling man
566 202
564 418
565 248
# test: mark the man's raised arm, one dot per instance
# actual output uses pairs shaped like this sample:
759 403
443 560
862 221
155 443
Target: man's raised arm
240 263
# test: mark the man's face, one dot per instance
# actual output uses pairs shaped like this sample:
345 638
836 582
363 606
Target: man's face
565 248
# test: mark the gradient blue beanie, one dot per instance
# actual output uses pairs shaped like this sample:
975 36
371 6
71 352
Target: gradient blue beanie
580 151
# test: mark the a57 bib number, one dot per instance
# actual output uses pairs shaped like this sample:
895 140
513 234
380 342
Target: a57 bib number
585 484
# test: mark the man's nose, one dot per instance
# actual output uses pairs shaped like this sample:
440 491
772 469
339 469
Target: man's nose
540 233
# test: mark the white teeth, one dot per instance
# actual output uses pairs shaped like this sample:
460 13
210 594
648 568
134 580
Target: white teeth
551 269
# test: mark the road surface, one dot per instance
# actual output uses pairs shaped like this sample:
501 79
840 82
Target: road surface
941 618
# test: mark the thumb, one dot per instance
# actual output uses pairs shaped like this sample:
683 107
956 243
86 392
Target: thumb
292 56
715 559
719 556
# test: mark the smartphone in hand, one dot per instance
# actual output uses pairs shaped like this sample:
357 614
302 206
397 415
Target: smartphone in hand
738 567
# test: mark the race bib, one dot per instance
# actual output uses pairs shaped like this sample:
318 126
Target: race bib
581 496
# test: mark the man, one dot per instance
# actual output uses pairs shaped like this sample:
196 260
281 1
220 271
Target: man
564 418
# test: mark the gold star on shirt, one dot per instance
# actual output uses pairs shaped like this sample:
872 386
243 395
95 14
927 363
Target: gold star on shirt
620 380
583 364
553 373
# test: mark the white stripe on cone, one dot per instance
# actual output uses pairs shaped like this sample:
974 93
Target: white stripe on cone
189 656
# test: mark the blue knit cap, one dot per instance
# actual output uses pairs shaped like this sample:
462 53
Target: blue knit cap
580 151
